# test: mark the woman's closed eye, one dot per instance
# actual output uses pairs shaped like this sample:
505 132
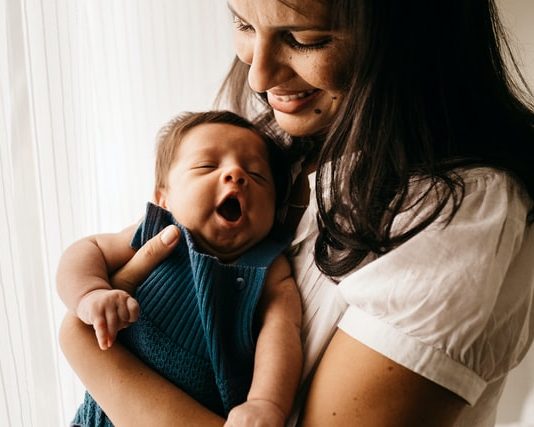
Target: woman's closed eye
293 42
289 37
241 25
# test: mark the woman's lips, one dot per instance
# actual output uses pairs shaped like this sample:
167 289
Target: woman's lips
291 103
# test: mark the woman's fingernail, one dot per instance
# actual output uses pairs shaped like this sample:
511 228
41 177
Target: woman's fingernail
169 235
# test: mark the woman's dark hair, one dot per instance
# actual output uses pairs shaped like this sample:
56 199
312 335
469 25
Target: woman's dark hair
430 92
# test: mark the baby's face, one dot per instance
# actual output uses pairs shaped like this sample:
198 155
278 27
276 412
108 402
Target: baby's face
221 188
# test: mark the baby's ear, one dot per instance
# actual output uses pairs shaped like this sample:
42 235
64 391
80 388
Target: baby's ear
160 197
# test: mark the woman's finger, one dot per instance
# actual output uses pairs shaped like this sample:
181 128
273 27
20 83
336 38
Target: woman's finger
128 311
133 310
146 259
122 310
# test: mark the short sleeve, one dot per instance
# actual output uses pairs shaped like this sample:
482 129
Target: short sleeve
454 303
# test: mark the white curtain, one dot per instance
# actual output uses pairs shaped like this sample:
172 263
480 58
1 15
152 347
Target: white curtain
84 87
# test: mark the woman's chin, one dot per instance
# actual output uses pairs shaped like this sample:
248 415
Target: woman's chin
302 124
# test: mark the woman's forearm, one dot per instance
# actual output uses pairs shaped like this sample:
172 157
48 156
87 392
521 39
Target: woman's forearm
129 392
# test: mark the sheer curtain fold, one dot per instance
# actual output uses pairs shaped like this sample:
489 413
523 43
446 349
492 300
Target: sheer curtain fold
84 87
22 274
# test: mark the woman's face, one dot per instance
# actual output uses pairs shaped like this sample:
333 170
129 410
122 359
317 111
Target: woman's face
296 58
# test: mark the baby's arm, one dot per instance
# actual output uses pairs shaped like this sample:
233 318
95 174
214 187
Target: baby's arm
83 284
278 359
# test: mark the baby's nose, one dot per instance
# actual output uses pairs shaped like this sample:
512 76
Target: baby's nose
235 175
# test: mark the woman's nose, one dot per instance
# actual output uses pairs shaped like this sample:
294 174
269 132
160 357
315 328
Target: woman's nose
234 175
267 68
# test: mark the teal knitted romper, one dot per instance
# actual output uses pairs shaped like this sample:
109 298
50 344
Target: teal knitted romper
196 325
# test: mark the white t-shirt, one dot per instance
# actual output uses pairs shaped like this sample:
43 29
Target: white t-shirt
454 304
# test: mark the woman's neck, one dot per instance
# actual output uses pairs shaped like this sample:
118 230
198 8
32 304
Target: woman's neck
309 148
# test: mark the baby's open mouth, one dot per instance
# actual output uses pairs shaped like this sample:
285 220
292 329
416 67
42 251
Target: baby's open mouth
230 209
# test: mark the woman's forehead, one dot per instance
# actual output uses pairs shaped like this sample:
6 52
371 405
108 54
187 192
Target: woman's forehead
307 7
282 12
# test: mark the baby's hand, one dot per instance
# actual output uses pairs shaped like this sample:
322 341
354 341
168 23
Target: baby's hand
256 413
109 311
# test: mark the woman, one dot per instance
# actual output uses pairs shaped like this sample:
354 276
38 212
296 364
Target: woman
419 298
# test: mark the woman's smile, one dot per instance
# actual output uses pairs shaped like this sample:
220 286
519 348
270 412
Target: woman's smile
291 103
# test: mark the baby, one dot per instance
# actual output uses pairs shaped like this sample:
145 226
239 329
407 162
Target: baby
221 316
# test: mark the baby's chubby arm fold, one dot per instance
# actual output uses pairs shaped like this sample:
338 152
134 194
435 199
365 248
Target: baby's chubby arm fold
278 357
84 286
83 278
87 264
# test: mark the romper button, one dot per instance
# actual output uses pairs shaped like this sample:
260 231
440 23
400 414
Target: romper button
240 283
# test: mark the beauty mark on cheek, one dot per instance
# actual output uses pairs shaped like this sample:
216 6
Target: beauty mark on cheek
317 111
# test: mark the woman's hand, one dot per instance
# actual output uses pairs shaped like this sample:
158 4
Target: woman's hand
146 259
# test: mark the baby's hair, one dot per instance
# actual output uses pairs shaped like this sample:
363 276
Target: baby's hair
170 136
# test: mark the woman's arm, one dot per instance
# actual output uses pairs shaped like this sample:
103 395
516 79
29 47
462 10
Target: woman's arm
354 385
129 392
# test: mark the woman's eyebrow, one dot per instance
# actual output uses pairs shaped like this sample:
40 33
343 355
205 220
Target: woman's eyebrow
232 10
294 28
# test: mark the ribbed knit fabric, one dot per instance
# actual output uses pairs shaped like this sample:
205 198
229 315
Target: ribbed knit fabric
196 325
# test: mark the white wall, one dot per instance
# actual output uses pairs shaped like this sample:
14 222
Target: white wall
517 404
518 18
